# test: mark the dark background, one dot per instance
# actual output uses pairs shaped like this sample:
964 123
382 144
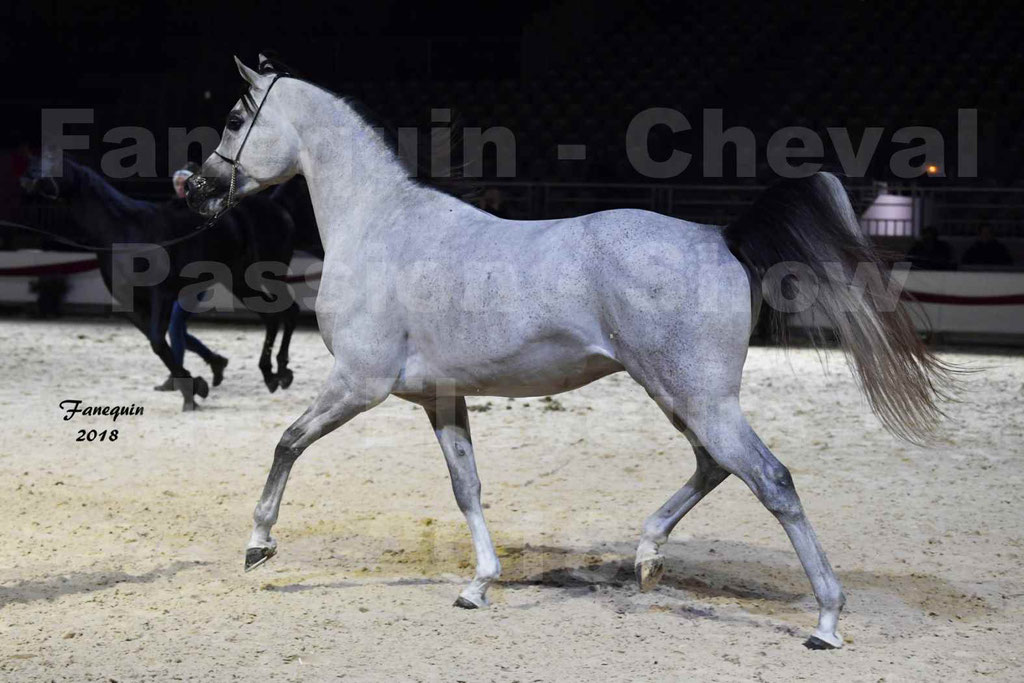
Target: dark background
566 72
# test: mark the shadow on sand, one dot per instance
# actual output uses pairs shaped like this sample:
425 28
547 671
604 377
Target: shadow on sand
763 580
73 583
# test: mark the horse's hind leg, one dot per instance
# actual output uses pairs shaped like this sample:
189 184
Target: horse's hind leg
266 366
649 565
284 374
732 444
450 420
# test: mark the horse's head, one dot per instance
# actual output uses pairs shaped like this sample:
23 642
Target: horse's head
41 179
259 147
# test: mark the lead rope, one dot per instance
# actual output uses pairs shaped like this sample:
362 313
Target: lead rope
94 247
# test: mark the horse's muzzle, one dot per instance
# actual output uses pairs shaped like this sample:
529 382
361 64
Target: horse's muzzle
200 191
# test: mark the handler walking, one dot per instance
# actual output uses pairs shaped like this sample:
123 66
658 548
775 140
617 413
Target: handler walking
177 331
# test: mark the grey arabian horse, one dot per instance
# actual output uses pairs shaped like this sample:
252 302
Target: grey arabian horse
429 299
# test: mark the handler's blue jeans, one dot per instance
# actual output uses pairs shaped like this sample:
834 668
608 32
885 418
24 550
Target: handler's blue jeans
180 339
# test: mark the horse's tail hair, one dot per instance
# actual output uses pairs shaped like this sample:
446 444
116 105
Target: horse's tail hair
802 241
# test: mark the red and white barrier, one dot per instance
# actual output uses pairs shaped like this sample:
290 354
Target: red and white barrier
19 269
962 302
968 302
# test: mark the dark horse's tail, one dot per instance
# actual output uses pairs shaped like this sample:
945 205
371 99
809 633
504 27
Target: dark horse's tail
809 227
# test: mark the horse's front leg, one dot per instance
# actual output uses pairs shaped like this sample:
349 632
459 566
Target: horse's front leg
450 420
339 401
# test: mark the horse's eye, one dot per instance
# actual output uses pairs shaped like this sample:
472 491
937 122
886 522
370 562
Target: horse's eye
234 122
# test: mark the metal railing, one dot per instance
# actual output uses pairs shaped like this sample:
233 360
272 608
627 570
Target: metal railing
954 211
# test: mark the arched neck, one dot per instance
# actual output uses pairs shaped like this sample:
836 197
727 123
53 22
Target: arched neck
356 182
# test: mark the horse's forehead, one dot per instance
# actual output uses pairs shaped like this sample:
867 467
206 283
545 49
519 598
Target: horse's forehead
258 91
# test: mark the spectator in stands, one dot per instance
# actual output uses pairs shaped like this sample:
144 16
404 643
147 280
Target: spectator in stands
931 253
492 202
987 251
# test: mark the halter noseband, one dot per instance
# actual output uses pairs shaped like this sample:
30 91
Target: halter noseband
238 154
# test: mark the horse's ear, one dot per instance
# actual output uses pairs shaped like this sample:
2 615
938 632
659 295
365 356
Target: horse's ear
250 76
262 62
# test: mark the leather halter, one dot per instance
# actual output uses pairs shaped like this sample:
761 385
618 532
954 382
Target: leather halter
238 154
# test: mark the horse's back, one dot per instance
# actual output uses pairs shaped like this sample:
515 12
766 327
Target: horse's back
656 261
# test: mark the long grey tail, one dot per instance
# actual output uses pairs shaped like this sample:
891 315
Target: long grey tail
802 240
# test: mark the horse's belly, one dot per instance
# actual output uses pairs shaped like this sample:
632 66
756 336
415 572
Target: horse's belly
536 370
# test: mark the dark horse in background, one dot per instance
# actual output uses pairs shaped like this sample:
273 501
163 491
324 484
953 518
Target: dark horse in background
260 229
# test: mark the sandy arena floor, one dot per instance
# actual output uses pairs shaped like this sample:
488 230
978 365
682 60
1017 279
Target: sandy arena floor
123 560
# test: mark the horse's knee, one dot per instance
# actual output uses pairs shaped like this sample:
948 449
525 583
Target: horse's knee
776 490
287 448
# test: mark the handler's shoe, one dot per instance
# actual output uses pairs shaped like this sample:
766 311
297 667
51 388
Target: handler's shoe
168 385
217 365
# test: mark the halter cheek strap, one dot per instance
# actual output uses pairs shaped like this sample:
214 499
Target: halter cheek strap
238 154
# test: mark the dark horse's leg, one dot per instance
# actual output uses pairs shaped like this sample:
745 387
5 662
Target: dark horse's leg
256 301
155 328
176 334
273 322
290 317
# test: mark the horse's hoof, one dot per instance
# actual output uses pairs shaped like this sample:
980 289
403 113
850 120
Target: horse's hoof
201 387
648 573
465 603
254 557
822 642
189 406
217 366
271 382
285 377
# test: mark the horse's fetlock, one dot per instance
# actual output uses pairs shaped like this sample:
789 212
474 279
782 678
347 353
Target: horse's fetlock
489 573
